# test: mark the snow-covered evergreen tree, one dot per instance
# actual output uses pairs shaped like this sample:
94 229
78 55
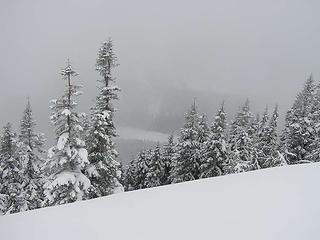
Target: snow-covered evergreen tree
4 202
30 150
104 170
314 154
130 176
259 129
254 130
10 174
143 163
215 156
168 159
242 152
204 129
264 119
267 141
188 155
277 158
255 126
68 157
136 172
298 135
155 169
85 123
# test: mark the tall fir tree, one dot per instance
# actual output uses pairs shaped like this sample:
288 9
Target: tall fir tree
168 159
298 134
204 129
104 170
130 176
259 138
4 202
242 152
254 131
215 157
68 157
267 142
313 154
30 150
277 158
255 126
188 156
203 136
10 175
155 169
136 173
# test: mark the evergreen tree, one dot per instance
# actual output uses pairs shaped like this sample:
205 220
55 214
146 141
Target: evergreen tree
314 154
136 172
69 156
242 152
277 158
168 156
188 156
143 163
155 169
85 123
10 175
215 156
31 146
255 126
254 130
298 135
4 202
265 119
267 145
130 176
204 129
259 138
104 170
123 175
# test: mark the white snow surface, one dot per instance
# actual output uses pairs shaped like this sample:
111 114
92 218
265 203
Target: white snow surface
69 177
62 140
66 112
273 204
83 155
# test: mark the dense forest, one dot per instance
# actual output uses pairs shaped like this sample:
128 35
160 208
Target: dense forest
83 163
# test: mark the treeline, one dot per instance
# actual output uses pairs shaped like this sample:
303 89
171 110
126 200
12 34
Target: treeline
213 149
83 162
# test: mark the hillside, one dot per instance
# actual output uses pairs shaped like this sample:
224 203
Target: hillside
279 203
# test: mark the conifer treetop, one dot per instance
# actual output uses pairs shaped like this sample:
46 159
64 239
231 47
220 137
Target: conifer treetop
106 60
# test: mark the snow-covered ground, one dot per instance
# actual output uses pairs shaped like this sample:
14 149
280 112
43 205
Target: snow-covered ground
279 203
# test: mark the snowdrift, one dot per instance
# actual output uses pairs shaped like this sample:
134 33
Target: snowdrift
279 203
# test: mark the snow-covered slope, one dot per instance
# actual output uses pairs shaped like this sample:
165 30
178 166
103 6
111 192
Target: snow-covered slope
279 203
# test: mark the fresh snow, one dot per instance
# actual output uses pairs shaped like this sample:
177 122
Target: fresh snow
83 154
62 140
272 204
105 114
92 171
80 142
78 128
51 152
66 112
77 179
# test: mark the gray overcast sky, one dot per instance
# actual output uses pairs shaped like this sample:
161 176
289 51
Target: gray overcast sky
213 49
